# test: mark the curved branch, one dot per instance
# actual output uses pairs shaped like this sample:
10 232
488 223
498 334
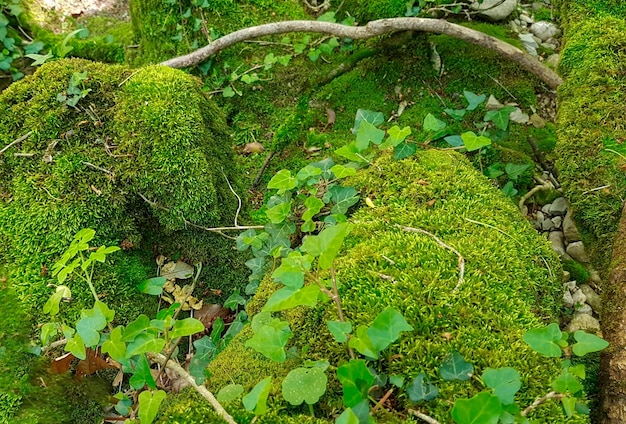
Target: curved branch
373 29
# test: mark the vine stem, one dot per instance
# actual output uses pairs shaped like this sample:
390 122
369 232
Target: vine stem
540 400
202 390
424 417
337 299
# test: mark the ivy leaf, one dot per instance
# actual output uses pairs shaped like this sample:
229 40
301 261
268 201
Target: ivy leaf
205 350
186 327
308 172
341 171
256 400
344 197
326 245
347 417
514 170
283 181
569 406
144 343
123 403
588 343
287 298
339 330
456 114
421 389
351 152
368 133
52 305
433 124
404 150
474 142
149 403
484 408
291 270
314 206
39 59
76 347
234 301
505 382
567 382
278 213
270 336
153 286
397 380
91 322
48 331
509 190
455 368
500 117
454 140
142 376
386 328
362 115
396 136
139 325
304 385
362 343
114 346
544 340
356 381
473 100
229 393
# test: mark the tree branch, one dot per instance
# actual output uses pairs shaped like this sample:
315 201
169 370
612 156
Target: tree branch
373 29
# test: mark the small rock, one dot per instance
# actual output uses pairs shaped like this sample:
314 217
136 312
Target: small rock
557 220
496 10
545 30
493 104
549 46
537 121
515 27
553 60
516 21
525 18
556 239
536 224
529 43
584 322
559 206
537 5
569 228
595 277
570 285
584 309
566 275
546 208
547 225
593 299
568 302
578 297
577 251
518 116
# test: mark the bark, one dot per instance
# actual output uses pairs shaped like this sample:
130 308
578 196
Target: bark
373 29
613 360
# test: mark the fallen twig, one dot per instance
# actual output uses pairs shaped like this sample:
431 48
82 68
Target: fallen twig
97 168
236 195
14 142
540 400
461 261
423 417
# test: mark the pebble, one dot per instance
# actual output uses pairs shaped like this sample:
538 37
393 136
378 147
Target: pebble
493 104
584 322
559 206
557 220
568 302
525 18
556 239
546 208
570 285
577 251
566 275
578 297
593 299
547 225
584 309
529 43
553 60
569 228
545 30
595 277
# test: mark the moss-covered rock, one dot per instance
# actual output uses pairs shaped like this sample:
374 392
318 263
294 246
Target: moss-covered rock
511 284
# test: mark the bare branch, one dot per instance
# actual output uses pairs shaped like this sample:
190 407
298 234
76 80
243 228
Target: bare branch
424 417
373 29
14 142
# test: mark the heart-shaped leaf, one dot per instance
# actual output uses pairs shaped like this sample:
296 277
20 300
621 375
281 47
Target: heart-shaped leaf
339 330
505 382
588 343
474 142
386 328
473 100
256 400
149 403
356 381
484 408
544 340
455 368
304 385
421 389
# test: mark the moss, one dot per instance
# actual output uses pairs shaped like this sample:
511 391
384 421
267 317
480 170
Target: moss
577 271
506 290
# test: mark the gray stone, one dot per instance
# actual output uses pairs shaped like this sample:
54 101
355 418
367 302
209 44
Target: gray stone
559 206
546 208
568 302
578 297
577 251
525 18
557 221
493 104
584 309
545 30
537 121
584 322
519 117
569 228
549 46
536 224
540 216
595 276
593 299
566 275
529 43
515 27
556 239
553 60
495 10
570 285
538 5
547 225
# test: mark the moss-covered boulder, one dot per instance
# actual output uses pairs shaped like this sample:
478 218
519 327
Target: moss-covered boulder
141 158
511 284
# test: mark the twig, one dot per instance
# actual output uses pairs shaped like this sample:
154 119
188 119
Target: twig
384 276
608 150
54 345
597 188
461 261
373 29
14 142
236 195
97 168
540 400
538 154
266 162
503 87
127 78
546 185
382 400
424 417
219 409
490 226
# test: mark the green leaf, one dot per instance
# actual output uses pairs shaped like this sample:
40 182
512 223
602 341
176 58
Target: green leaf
500 117
494 171
386 328
314 206
362 115
186 327
256 400
484 408
308 172
142 376
144 343
455 368
433 124
355 380
304 385
351 152
396 136
474 142
421 389
544 340
326 245
569 406
509 190
123 404
287 298
339 330
404 150
347 417
76 347
291 270
205 351
114 346
283 181
149 403
456 114
52 305
505 382
344 197
234 301
567 382
473 100
588 343
48 331
269 338
39 59
228 92
229 393
513 170
397 380
454 140
139 325
153 286
362 343
278 213
341 171
91 322
368 133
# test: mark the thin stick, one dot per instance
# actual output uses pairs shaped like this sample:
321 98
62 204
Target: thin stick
547 185
219 409
236 195
97 168
127 78
461 261
490 226
382 400
424 417
14 142
266 162
597 188
540 400
54 345
503 87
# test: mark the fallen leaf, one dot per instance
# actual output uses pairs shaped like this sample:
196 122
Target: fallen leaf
210 312
403 104
431 203
330 116
62 364
177 270
96 190
93 363
422 182
254 147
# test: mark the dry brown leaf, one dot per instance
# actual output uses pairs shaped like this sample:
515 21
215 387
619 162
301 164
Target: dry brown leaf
254 147
331 116
62 364
92 363
431 203
210 312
